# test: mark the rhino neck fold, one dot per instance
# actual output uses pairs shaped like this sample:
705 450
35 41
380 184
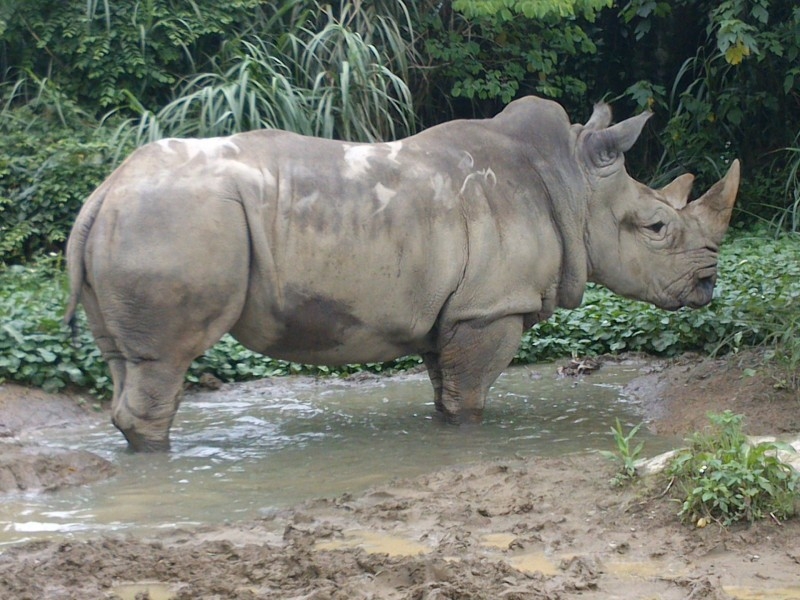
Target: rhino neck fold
568 205
574 272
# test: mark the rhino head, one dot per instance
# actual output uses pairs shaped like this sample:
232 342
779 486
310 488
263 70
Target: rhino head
643 243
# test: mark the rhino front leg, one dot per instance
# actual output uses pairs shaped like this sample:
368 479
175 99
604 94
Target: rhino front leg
471 356
431 360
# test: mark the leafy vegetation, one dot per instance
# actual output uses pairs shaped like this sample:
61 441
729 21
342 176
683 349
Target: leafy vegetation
758 276
49 165
756 303
726 479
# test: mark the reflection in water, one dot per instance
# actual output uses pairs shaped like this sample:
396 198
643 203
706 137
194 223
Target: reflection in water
240 453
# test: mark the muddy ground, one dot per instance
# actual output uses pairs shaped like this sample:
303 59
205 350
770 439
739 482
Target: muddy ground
519 529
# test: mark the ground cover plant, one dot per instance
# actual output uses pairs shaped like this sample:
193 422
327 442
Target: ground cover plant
755 303
724 478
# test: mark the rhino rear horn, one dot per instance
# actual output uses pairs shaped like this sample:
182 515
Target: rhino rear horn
714 207
676 193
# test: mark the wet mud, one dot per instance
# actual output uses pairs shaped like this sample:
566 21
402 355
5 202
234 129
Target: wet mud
539 528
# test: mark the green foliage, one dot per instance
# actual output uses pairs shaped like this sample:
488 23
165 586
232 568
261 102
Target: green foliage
101 53
35 345
51 161
726 479
487 59
626 455
789 217
756 304
734 95
532 9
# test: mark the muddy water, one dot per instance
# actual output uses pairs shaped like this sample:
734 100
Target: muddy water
245 450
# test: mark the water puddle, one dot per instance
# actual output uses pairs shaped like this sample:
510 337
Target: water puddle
645 570
534 562
240 452
746 593
375 542
151 590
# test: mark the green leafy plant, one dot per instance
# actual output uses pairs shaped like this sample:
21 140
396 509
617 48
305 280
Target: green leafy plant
102 53
626 454
725 478
35 346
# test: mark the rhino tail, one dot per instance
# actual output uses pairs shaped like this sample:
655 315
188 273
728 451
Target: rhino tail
76 244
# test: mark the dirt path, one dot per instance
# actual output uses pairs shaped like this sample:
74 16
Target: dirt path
537 528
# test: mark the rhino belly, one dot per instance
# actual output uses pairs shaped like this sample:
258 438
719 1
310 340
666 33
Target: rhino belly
316 329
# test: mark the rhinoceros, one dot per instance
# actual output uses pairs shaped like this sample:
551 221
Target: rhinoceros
448 244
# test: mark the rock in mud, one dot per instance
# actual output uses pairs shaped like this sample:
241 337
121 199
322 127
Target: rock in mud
35 468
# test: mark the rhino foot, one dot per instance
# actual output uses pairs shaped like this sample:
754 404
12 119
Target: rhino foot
140 443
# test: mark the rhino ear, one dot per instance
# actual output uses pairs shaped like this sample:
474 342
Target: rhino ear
676 193
601 117
604 146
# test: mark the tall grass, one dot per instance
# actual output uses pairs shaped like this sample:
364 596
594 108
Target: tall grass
789 216
342 78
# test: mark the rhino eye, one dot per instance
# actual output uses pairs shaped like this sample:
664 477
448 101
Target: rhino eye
656 227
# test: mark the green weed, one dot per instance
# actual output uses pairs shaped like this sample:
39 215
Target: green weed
626 454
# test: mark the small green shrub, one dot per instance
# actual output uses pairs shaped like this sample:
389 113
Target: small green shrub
53 156
626 454
726 479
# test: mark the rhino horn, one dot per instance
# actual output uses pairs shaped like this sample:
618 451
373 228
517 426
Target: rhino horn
715 206
676 193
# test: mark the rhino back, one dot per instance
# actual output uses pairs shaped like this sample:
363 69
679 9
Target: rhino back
358 249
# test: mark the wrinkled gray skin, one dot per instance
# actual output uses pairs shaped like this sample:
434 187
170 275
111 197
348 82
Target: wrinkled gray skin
449 244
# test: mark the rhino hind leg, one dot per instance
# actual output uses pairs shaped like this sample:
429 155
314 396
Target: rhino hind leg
148 385
147 403
152 374
159 293
470 357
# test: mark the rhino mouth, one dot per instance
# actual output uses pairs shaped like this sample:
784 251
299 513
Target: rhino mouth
703 290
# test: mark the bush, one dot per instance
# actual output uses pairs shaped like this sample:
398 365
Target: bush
54 156
35 345
727 479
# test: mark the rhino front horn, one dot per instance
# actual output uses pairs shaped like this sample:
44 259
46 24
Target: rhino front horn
714 208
